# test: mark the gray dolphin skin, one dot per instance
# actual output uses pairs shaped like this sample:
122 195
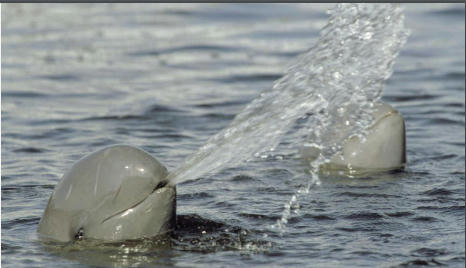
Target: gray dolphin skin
116 193
384 148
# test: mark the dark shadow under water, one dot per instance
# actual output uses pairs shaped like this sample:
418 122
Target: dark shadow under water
192 234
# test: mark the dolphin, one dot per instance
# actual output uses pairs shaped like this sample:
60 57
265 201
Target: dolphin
121 192
384 148
117 193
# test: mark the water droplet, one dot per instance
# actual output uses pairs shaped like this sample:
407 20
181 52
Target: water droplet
341 111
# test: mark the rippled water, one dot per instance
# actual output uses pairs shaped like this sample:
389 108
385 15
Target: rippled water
167 77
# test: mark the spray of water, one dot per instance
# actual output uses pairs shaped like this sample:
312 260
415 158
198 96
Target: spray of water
348 66
336 82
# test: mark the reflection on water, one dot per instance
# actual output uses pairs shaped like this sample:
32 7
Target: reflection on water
193 234
166 78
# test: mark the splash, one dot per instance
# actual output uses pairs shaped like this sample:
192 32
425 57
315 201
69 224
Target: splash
333 85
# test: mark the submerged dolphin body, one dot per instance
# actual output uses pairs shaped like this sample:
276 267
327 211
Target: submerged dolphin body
116 193
384 148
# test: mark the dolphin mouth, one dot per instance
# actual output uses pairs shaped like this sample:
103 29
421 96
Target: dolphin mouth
162 184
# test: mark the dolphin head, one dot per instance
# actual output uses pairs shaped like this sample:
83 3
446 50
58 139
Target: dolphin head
384 148
116 193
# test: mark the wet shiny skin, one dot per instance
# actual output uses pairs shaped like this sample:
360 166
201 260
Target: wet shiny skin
383 149
110 195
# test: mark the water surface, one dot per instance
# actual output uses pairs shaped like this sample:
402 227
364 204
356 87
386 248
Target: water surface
165 78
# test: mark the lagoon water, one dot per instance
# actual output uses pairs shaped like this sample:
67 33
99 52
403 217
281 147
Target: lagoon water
166 77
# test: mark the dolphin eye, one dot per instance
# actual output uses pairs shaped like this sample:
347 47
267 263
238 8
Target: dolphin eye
79 235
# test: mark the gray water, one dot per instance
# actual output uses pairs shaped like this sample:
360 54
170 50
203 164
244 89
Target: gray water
165 78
